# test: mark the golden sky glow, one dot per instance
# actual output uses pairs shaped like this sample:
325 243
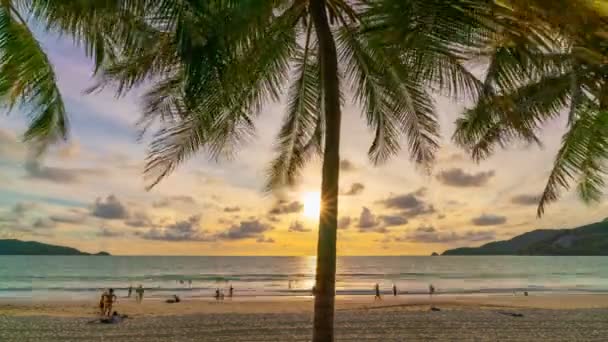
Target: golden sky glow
90 193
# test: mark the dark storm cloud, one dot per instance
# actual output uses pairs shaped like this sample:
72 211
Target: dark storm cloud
298 227
344 222
186 230
347 166
458 178
355 189
232 209
525 199
284 208
489 220
429 234
245 230
110 208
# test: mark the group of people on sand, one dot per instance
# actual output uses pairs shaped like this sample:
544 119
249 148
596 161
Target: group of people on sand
108 298
219 293
139 293
378 295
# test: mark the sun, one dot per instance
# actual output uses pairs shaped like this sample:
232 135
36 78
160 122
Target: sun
312 204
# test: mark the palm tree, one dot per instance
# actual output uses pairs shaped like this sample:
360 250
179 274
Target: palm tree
212 65
560 66
27 79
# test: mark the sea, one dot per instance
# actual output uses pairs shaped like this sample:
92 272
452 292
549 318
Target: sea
83 277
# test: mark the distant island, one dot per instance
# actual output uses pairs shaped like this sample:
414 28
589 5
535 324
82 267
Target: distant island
18 247
591 239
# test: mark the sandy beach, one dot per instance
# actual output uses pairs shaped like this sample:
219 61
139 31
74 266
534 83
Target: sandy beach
545 317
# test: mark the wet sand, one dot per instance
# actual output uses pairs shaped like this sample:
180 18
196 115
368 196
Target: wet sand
479 318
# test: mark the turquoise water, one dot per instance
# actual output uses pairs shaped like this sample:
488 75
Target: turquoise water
84 276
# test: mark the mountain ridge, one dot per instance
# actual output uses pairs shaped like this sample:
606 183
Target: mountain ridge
591 239
19 247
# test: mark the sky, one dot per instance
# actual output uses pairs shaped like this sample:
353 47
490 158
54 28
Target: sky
90 192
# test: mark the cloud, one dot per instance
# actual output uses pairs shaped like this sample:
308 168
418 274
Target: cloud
138 220
185 230
489 220
245 230
355 189
367 219
234 209
457 177
344 222
183 199
347 166
110 208
69 218
263 239
405 201
44 224
298 227
428 234
10 147
22 207
284 208
526 200
109 233
68 151
410 204
167 201
273 218
393 220
35 170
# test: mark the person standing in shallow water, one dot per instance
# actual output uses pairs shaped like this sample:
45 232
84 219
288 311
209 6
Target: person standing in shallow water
130 291
230 291
377 288
140 293
394 290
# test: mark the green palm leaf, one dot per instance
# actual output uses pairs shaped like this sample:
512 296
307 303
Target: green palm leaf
27 79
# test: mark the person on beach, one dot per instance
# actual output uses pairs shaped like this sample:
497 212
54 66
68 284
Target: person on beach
103 294
140 293
217 294
108 300
377 288
130 291
173 300
394 290
114 319
431 290
231 291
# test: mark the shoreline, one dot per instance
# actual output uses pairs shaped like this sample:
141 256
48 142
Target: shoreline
298 304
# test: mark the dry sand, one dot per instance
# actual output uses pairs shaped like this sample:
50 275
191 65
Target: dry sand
462 318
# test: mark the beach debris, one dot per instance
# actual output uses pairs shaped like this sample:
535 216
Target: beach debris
512 314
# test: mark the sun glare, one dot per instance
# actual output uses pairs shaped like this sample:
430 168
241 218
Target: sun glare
312 204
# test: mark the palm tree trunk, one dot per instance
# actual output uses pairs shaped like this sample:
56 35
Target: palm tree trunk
325 288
